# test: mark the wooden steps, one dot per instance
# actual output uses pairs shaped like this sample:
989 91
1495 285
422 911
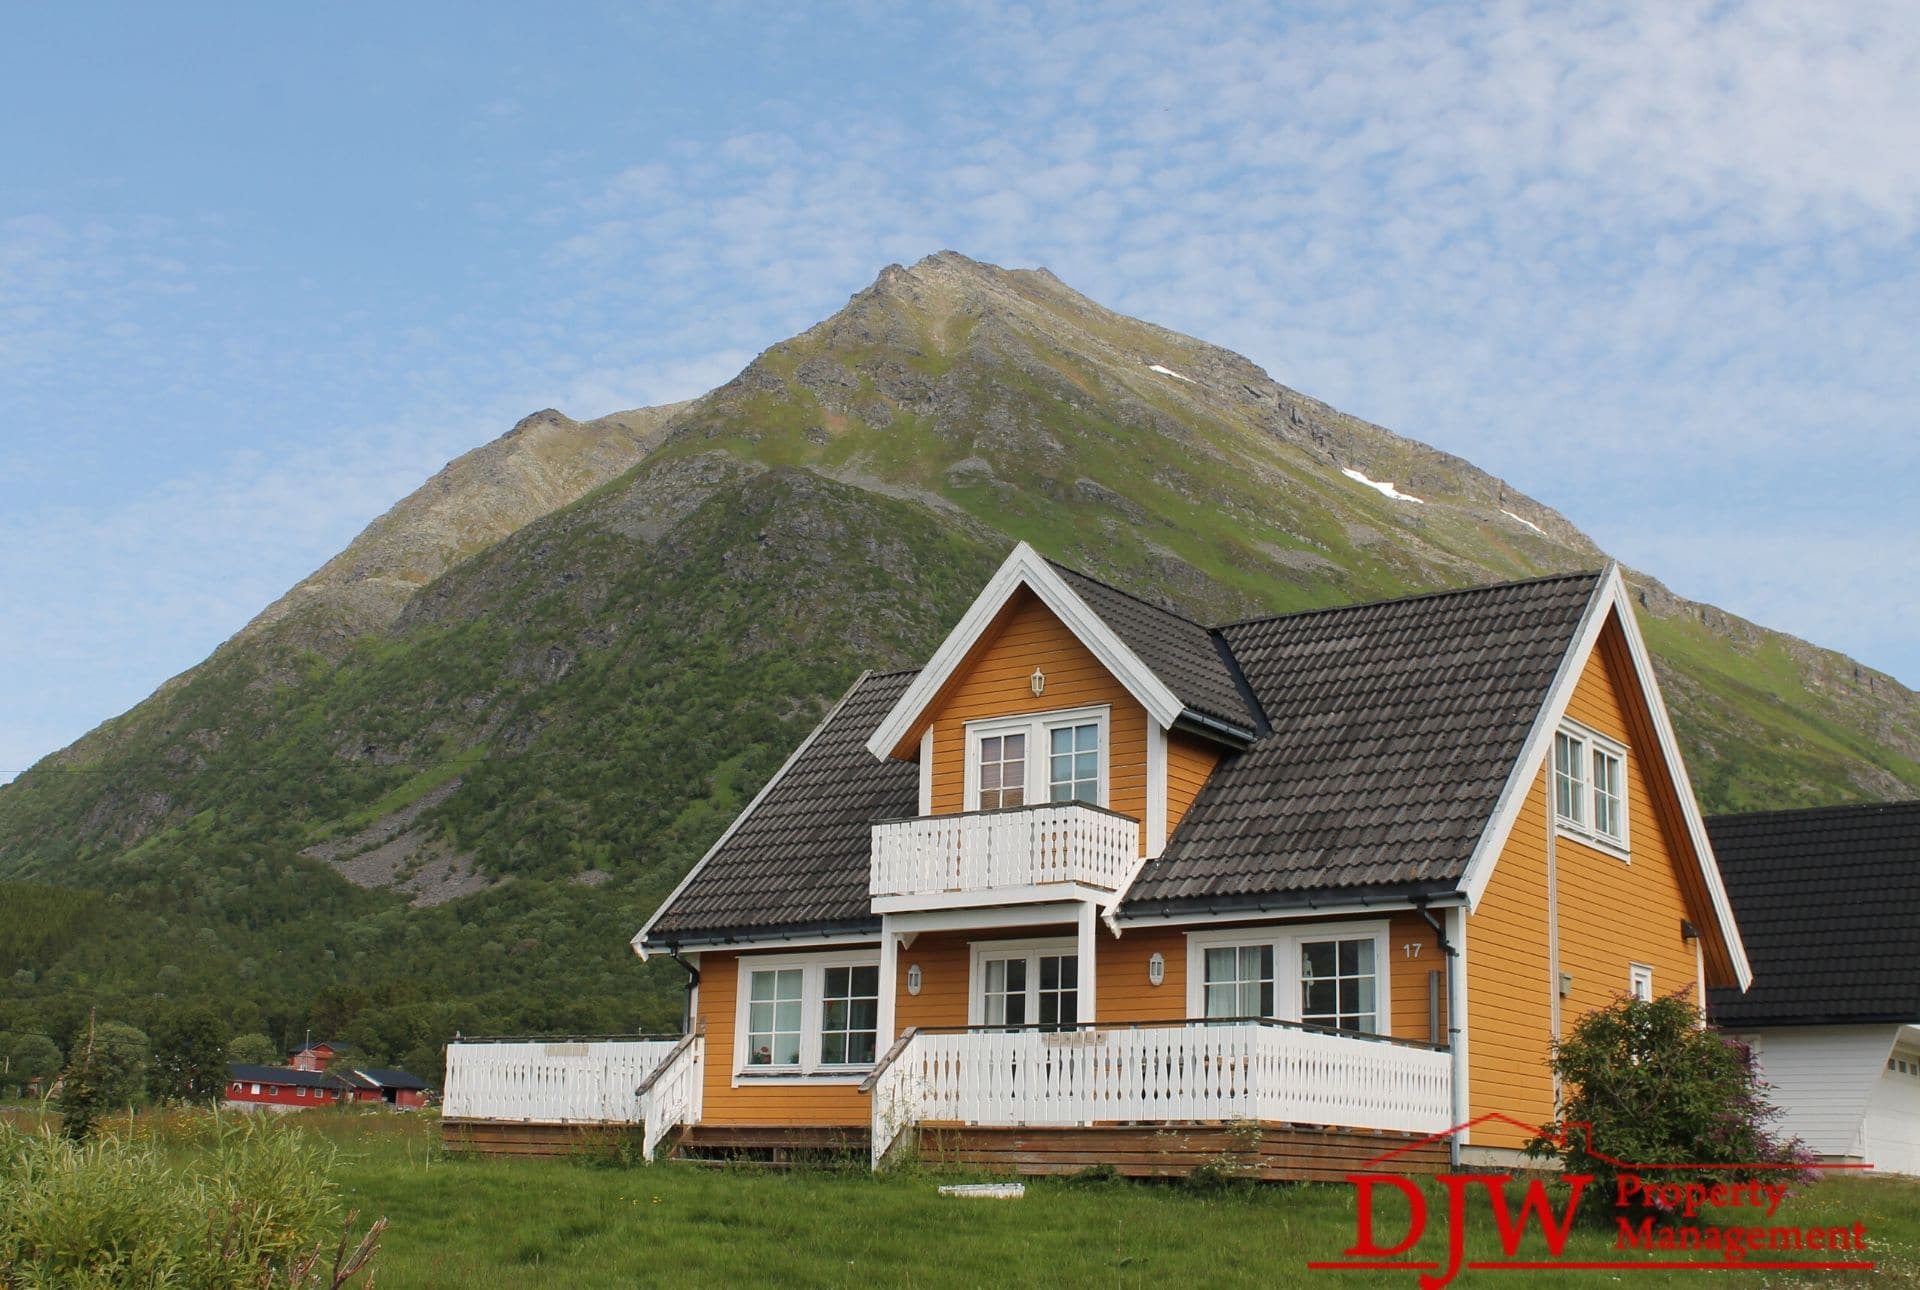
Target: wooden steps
774 1145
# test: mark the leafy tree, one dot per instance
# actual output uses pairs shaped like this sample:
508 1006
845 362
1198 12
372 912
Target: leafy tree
189 1055
107 1070
1647 1084
25 1057
254 1050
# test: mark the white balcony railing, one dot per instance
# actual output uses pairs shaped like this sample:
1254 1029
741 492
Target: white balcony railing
1185 1071
1024 851
550 1081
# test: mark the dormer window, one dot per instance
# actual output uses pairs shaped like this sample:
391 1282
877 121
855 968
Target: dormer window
1037 758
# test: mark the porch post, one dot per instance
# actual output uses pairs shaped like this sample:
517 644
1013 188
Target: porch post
1088 973
889 984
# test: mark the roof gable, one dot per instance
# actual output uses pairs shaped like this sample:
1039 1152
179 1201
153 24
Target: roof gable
1829 901
1184 652
1611 603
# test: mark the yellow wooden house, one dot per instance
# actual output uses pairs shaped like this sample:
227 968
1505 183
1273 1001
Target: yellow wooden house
1100 884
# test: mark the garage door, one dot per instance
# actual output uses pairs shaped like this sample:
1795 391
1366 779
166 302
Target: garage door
1893 1117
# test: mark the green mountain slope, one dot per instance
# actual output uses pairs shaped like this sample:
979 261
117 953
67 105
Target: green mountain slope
440 783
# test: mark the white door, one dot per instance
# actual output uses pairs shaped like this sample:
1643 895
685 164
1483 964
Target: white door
1893 1117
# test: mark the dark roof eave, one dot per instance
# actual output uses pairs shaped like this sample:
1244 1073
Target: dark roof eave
726 937
1740 1022
1282 902
1226 732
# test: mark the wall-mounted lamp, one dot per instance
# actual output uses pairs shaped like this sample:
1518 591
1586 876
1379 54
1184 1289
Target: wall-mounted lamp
913 978
1156 968
1566 984
1688 932
1038 680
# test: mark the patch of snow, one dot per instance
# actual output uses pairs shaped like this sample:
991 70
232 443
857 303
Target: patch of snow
1385 490
1168 371
1523 520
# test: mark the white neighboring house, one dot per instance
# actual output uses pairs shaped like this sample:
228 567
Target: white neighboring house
1829 905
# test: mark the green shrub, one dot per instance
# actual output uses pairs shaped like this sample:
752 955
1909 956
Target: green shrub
1647 1084
249 1205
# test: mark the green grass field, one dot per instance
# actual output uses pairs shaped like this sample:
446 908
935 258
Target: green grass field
470 1222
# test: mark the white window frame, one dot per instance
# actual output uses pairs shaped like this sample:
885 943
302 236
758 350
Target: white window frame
1036 725
813 976
1639 975
1032 950
1286 939
1584 830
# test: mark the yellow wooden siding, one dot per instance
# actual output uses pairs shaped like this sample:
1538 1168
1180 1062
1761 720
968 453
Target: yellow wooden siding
1612 913
1125 993
1509 1000
758 1102
944 961
1600 893
1189 762
995 682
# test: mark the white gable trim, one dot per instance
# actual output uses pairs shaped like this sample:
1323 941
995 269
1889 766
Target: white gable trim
1024 568
1610 594
640 937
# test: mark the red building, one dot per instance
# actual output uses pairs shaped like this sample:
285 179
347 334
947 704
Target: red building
285 1087
305 1081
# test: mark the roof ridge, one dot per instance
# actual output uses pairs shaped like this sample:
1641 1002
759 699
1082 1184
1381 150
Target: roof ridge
1122 591
872 675
1831 808
1418 595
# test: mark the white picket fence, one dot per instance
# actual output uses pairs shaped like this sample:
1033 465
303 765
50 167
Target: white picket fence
1198 1071
987 851
587 1082
671 1095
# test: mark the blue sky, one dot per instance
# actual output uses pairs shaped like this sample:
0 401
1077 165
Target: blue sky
264 270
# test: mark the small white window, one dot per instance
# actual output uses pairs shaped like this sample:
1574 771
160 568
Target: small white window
807 1016
1338 988
1239 980
1590 786
773 1017
256 1090
1640 981
301 1091
1039 758
1003 771
849 1016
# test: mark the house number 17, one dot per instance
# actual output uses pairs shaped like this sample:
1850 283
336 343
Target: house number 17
1413 948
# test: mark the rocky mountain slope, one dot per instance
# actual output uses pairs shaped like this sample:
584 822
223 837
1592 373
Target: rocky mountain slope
521 703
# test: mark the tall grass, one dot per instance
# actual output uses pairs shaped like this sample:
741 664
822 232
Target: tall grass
205 1200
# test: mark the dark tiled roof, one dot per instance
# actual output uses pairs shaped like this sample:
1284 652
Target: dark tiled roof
283 1075
384 1077
1394 728
1828 903
800 859
1184 655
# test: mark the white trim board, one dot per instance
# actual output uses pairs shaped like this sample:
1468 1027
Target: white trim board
639 941
1609 594
1024 567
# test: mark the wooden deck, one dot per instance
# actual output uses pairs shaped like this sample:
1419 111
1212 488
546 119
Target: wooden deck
1270 1152
513 1138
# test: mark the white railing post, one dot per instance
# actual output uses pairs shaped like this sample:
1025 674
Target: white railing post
672 1094
1192 1072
